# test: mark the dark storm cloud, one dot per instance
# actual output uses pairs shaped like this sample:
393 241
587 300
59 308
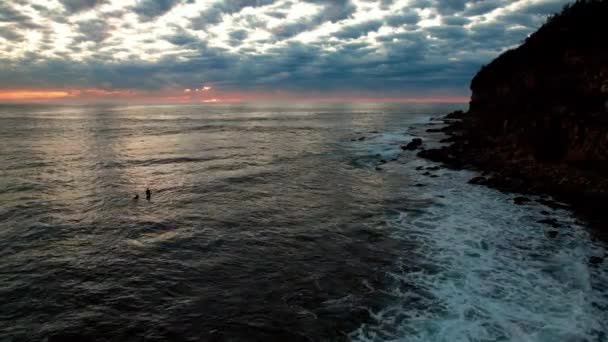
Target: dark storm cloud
455 21
150 9
80 5
356 31
237 37
10 15
484 6
10 33
544 8
448 32
407 18
94 30
182 38
332 11
213 15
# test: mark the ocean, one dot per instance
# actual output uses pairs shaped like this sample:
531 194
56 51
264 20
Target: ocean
272 222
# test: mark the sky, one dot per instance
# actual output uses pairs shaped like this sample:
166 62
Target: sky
247 50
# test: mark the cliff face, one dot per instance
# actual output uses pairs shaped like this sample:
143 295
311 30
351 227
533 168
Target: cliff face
547 100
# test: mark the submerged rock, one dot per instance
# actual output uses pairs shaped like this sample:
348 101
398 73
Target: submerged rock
596 260
478 180
552 234
412 145
552 222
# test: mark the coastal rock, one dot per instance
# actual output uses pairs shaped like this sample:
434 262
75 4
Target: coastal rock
537 115
478 180
596 260
412 145
552 234
552 222
434 130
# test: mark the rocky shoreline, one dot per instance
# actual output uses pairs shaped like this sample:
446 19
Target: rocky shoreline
537 121
585 191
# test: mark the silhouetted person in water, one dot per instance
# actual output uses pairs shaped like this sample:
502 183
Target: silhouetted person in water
148 193
136 197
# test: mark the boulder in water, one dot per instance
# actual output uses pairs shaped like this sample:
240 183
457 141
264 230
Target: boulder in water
478 180
552 222
552 234
596 260
412 145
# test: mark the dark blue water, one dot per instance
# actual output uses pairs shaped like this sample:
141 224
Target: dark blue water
271 222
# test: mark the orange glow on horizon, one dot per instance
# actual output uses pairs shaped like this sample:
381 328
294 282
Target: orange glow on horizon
16 95
205 95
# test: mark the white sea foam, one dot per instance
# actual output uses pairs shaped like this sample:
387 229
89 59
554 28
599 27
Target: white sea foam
483 269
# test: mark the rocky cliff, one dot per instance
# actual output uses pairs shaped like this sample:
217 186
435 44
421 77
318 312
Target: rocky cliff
548 98
538 115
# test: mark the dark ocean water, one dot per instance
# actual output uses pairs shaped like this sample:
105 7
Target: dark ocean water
271 222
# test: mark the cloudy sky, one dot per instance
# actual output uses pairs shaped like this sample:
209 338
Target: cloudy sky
237 50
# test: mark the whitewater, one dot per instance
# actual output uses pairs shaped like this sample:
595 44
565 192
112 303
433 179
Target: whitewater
490 270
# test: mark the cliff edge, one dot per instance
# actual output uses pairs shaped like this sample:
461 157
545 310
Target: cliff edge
538 115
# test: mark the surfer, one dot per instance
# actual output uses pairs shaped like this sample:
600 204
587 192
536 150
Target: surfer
148 193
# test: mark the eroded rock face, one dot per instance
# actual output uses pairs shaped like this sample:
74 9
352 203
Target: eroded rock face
548 98
538 116
412 145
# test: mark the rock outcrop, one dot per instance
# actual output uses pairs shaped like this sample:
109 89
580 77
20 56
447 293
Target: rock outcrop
538 116
548 99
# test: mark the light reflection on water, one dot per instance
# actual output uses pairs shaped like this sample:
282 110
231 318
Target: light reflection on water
265 220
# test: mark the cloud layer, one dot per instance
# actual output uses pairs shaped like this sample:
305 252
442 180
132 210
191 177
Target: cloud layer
383 47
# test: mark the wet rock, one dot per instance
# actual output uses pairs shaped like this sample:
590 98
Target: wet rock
434 130
552 222
552 204
458 114
478 180
596 260
552 234
412 145
521 200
